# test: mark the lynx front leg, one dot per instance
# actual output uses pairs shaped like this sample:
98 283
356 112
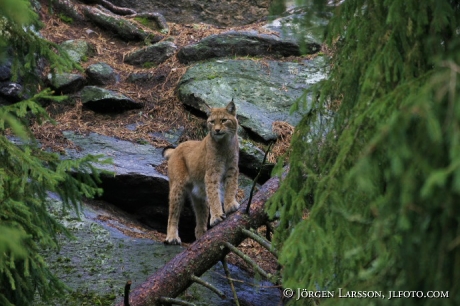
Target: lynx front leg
176 202
213 193
201 208
230 189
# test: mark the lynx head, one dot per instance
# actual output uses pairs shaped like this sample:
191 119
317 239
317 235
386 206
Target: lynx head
222 122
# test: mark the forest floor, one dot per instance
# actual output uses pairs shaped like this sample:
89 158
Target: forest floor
162 109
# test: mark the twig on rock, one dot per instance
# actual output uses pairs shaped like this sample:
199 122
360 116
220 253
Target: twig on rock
204 283
127 288
168 300
230 281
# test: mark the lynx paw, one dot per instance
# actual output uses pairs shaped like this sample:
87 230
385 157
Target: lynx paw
216 220
232 207
199 232
172 241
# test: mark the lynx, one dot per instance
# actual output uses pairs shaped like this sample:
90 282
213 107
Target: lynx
203 170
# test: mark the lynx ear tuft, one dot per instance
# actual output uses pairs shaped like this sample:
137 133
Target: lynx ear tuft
231 108
208 109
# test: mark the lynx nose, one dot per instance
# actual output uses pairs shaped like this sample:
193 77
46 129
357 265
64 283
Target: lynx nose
217 130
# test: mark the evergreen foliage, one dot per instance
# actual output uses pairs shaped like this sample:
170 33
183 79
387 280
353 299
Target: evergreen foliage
27 173
20 39
381 184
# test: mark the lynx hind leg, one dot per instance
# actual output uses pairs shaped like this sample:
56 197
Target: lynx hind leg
201 208
176 202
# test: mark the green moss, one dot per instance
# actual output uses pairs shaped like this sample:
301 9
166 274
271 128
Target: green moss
89 298
148 65
144 21
142 141
65 18
213 76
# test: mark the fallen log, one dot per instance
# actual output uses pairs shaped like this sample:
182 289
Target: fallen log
177 275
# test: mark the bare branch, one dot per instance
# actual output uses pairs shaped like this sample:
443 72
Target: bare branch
260 240
204 283
230 281
248 259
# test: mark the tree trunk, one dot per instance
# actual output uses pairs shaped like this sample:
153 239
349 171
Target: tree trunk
176 276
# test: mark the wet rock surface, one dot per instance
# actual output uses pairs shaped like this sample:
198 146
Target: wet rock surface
106 101
104 257
264 91
128 159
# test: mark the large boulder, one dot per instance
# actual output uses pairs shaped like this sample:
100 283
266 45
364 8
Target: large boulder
151 55
135 183
78 50
11 92
5 69
303 25
101 74
65 83
106 101
251 158
264 91
234 43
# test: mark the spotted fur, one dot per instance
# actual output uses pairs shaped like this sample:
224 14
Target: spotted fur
205 171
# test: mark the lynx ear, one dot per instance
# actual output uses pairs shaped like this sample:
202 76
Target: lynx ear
208 109
231 108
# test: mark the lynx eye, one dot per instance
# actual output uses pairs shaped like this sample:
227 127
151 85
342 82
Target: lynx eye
211 121
224 120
